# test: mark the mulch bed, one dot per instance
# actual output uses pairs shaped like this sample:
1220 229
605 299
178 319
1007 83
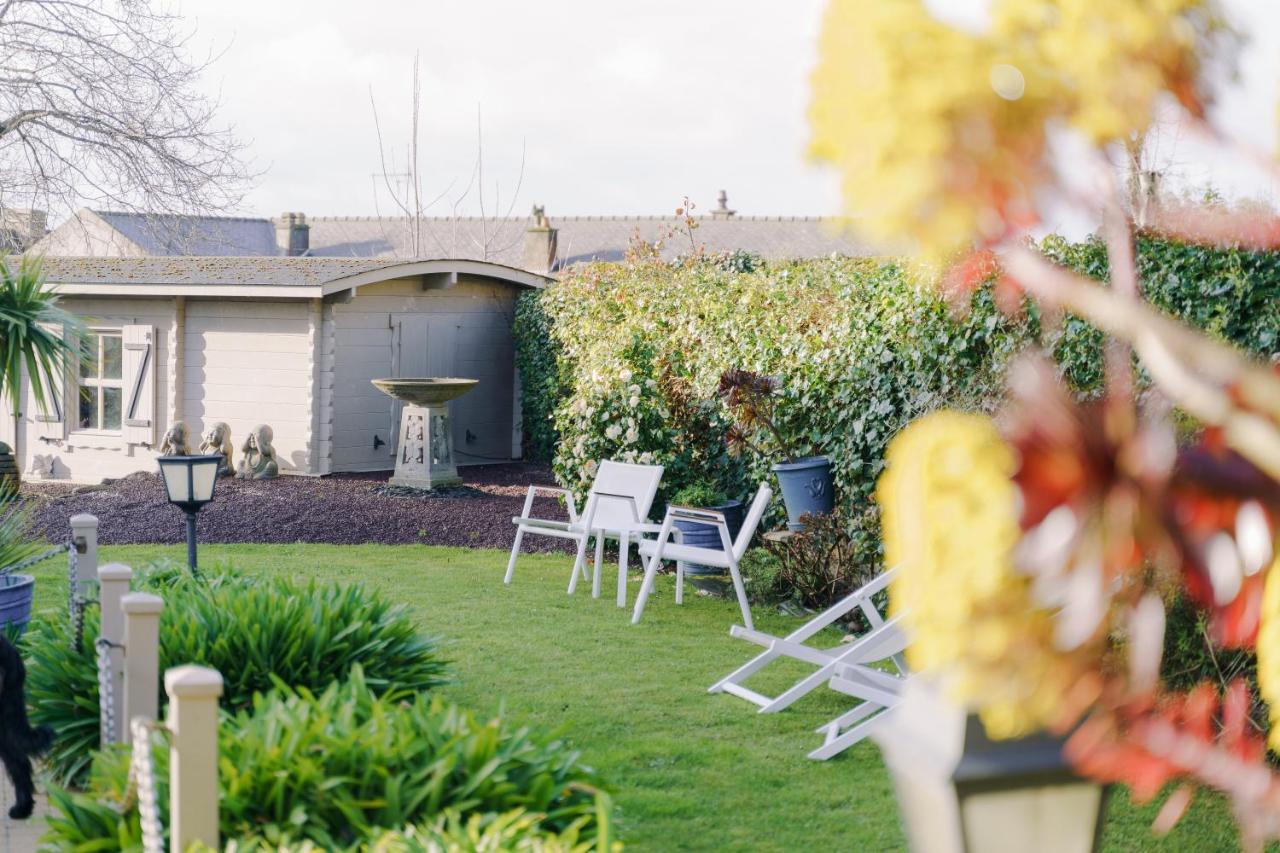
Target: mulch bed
343 509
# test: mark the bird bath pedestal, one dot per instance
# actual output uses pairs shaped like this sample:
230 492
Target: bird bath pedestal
424 454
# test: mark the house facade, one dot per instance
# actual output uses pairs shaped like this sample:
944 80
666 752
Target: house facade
285 321
288 342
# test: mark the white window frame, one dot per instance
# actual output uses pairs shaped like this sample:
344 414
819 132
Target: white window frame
99 382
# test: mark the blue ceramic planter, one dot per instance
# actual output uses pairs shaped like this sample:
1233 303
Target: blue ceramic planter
15 600
806 487
708 535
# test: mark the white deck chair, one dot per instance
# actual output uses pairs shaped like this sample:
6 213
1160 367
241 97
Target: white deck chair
620 499
865 649
663 548
879 693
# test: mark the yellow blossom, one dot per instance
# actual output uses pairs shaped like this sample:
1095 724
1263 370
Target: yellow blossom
1268 648
950 525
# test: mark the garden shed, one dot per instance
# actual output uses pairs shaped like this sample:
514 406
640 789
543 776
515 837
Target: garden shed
290 342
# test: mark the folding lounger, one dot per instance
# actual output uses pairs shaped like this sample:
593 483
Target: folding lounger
878 691
867 648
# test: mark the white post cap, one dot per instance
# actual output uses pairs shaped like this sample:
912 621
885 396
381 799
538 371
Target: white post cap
193 681
84 519
141 602
115 572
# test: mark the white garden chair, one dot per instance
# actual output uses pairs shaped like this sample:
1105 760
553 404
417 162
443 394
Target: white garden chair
617 507
663 548
868 648
877 690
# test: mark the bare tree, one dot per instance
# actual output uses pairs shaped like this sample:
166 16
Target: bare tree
100 106
495 234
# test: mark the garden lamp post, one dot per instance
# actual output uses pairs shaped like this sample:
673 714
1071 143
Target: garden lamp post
189 481
961 792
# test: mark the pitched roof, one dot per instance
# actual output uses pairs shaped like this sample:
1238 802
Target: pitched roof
178 234
580 238
273 277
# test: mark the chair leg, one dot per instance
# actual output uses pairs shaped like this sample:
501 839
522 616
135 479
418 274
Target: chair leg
595 580
742 593
646 586
624 546
679 570
515 552
577 563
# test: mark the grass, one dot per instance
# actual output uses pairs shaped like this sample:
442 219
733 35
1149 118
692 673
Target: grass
689 771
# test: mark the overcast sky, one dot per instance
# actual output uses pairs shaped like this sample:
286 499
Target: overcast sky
620 110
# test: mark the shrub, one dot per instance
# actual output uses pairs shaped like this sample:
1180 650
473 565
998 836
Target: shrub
340 768
858 348
833 556
256 632
541 385
759 568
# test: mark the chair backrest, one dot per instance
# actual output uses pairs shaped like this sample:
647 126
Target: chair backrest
749 524
638 482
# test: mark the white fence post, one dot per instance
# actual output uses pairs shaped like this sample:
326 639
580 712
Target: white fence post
84 534
141 657
113 584
193 759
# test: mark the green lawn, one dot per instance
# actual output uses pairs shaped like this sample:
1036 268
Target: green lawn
690 771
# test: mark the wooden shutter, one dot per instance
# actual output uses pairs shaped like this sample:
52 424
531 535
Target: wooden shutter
139 373
49 419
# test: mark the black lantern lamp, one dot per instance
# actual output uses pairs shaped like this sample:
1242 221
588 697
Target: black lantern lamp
1023 790
189 480
961 792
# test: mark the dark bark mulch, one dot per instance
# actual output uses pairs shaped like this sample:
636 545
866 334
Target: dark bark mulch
343 509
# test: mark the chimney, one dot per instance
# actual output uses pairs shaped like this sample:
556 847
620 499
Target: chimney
20 227
722 210
539 243
293 234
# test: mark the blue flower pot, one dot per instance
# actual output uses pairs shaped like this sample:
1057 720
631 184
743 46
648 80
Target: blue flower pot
708 535
807 488
15 600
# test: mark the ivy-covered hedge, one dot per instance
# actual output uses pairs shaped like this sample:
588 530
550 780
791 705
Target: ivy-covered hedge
621 361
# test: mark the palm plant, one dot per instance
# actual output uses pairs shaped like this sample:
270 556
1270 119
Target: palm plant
35 334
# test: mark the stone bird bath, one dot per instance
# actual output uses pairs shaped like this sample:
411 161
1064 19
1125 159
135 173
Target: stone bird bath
424 453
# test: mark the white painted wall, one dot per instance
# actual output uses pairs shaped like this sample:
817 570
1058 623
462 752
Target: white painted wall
87 457
250 362
468 334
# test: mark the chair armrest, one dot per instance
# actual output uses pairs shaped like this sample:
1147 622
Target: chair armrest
688 513
555 490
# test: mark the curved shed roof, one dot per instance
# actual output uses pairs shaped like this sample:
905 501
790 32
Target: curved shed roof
267 277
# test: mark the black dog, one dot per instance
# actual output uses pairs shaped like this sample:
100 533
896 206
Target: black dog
18 740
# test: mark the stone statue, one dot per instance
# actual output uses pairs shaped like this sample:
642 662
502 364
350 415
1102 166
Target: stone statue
258 461
175 441
217 442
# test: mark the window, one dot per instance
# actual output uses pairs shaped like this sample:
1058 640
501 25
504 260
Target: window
101 382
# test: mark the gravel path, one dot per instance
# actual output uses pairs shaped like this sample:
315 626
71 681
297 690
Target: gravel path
341 509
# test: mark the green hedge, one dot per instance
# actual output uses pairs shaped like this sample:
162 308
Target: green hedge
621 361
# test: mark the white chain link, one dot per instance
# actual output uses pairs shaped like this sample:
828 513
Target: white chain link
142 780
106 691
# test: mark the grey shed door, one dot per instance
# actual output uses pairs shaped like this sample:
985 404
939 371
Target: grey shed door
424 346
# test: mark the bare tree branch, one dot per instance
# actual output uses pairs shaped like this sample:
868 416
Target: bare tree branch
100 103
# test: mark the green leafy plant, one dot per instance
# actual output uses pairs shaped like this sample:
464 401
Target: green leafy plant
256 632
16 543
36 336
760 569
699 495
340 768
